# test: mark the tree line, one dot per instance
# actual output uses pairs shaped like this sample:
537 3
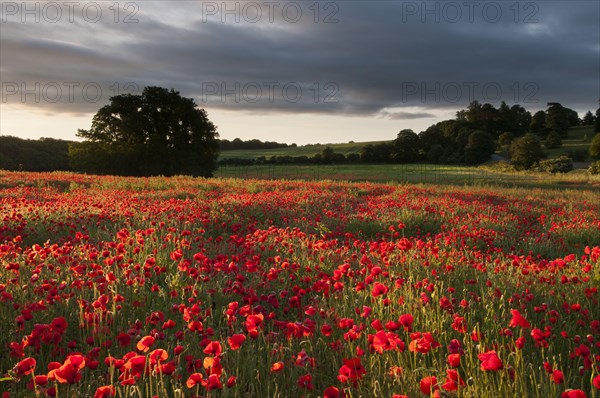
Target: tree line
45 154
239 144
161 132
471 138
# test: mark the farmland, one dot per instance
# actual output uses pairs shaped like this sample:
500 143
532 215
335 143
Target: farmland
187 287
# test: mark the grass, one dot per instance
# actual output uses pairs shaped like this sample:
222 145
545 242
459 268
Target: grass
304 150
410 173
578 139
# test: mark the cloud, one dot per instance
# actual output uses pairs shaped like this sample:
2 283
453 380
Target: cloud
406 115
358 58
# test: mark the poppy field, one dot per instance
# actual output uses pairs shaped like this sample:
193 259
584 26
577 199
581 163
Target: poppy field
184 287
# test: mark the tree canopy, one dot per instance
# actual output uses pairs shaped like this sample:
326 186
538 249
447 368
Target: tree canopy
526 152
157 132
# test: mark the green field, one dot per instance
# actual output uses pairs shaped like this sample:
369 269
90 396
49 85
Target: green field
305 150
578 139
411 173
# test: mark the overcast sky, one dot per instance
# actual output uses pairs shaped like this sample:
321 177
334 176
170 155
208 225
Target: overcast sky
295 71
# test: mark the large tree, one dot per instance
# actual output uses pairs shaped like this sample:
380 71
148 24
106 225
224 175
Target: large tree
559 118
480 147
588 119
157 132
406 147
538 124
525 152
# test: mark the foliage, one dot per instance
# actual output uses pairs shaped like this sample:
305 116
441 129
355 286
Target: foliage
559 119
157 132
595 147
327 155
553 140
480 146
506 138
45 154
594 168
377 153
239 144
563 164
406 147
538 124
525 152
435 153
588 119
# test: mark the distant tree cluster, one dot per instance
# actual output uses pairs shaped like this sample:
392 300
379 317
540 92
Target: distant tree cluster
238 144
45 154
326 156
160 132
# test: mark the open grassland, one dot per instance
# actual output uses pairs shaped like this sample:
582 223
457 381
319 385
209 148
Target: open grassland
578 139
413 173
183 287
304 150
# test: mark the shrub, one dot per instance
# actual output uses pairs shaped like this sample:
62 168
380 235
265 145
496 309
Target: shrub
553 140
525 152
594 168
595 147
561 164
506 138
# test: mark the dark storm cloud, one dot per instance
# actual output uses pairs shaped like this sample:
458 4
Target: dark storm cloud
370 57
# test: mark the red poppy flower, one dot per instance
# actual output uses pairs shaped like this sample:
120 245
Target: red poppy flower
459 324
104 392
454 360
379 289
453 381
236 341
406 320
277 367
422 342
252 324
158 355
558 377
213 348
573 394
518 320
351 370
68 372
124 339
333 392
428 384
25 367
596 382
305 382
145 343
231 381
490 361
382 341
212 383
193 380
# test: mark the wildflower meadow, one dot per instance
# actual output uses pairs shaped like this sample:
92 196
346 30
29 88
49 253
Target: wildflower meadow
191 287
